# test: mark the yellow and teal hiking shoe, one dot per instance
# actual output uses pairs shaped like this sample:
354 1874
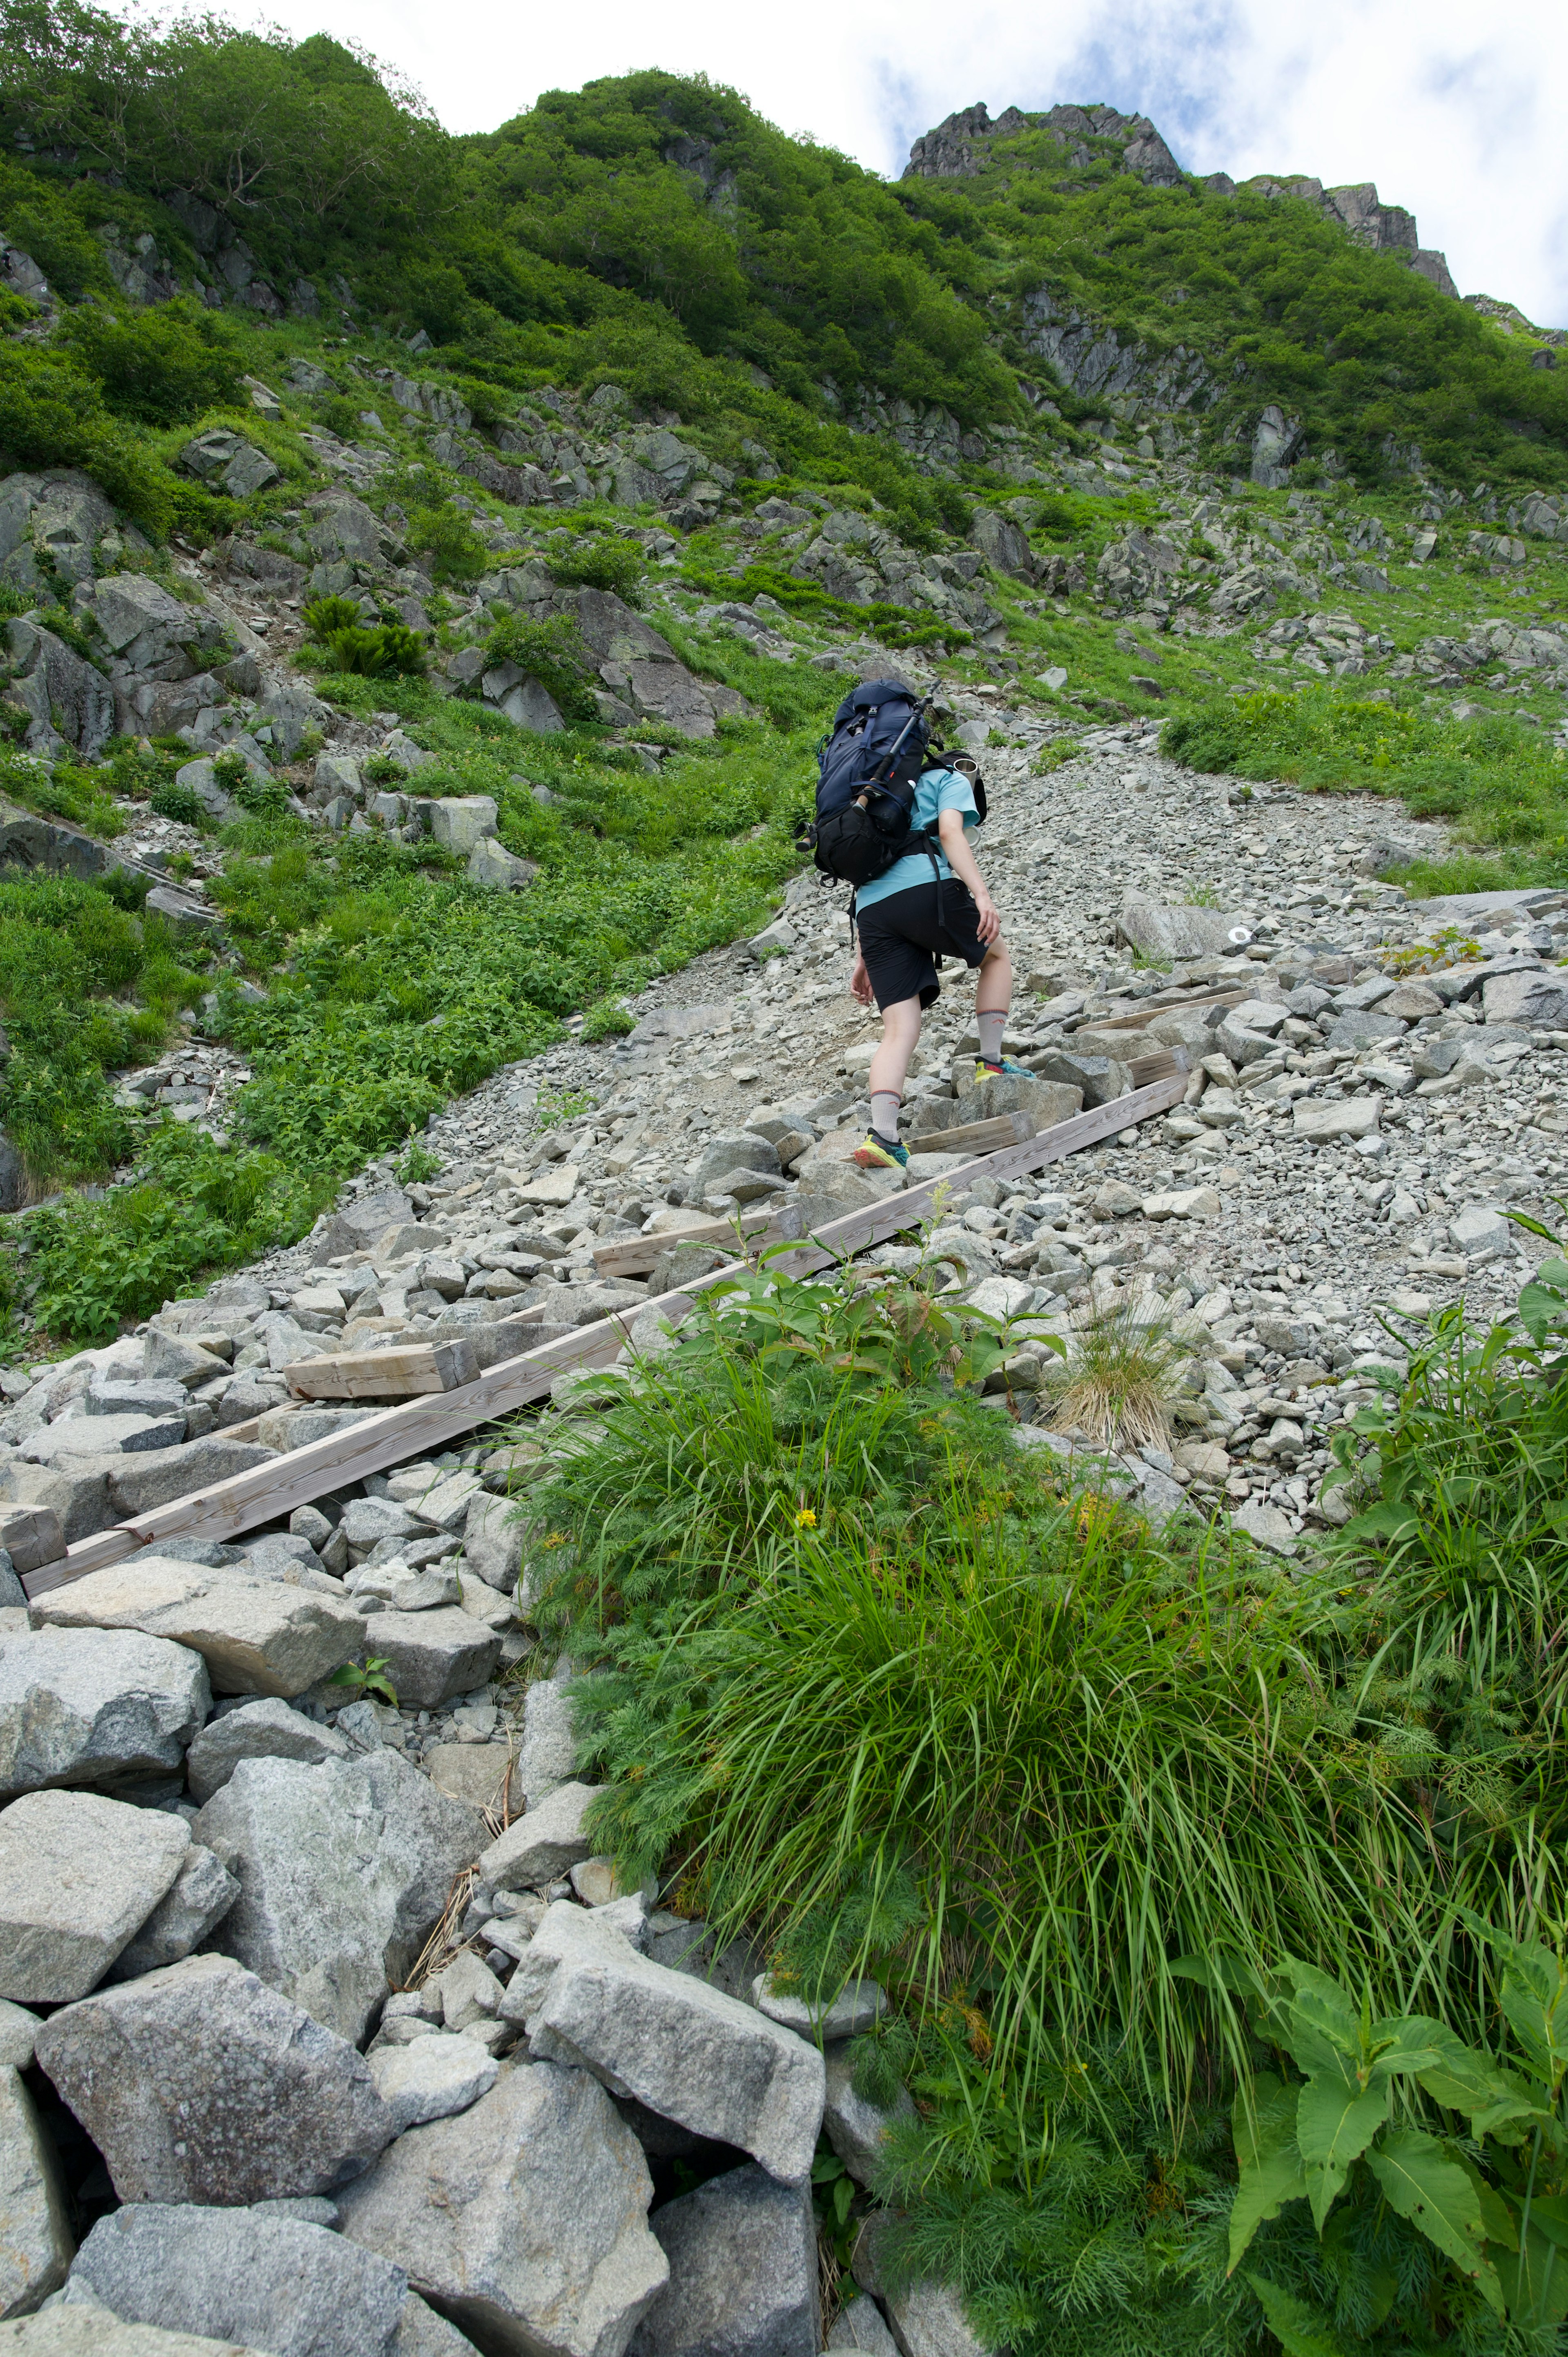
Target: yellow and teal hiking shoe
1006 1069
877 1154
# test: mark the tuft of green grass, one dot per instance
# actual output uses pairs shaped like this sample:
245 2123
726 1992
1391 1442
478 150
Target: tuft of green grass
1118 1380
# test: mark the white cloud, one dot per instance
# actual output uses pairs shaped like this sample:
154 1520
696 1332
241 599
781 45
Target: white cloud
1455 117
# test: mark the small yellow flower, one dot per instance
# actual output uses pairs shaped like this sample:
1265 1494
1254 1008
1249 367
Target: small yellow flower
805 1520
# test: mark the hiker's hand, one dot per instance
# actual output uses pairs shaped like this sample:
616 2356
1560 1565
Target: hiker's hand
989 923
860 982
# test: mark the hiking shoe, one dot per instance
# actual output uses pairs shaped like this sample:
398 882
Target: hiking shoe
877 1154
1006 1069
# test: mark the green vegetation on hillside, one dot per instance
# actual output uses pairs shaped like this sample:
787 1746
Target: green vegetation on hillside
1152 1846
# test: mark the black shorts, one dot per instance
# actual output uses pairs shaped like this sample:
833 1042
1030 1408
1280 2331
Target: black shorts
902 937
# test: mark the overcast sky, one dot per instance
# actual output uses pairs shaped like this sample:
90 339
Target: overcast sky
1455 114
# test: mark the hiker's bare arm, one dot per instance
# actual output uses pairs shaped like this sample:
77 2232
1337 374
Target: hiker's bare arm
860 981
961 859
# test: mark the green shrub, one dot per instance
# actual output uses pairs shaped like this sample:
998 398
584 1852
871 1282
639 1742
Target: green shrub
53 415
555 653
602 563
180 803
607 1020
383 652
322 616
456 553
162 366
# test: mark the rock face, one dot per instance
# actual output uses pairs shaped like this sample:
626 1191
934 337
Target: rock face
267 1729
342 1869
1176 932
686 2050
243 2275
79 1876
94 1704
431 2079
200 2084
203 1895
70 706
526 2219
549 1841
92 2331
36 2243
854 2128
256 1637
743 2272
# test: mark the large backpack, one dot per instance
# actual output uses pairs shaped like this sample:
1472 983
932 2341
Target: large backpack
868 769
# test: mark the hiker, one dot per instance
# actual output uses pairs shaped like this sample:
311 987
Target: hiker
908 918
891 819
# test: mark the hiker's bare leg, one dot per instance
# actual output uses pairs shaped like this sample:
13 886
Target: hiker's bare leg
993 997
900 1032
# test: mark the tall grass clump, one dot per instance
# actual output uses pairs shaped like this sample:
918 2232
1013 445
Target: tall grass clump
842 1632
1117 1380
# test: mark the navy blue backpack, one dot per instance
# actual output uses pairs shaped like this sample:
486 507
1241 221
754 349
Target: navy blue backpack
868 769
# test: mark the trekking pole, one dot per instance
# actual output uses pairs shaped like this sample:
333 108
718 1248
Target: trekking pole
898 747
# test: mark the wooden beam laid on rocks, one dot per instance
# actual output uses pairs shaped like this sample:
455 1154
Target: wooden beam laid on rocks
369 1445
635 1255
405 1371
975 1136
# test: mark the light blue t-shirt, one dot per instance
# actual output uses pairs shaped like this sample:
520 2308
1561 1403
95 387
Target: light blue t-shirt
938 790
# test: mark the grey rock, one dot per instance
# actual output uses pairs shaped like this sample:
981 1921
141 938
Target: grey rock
367 1521
35 2241
432 1655
854 2128
743 2272
927 2319
1478 1229
93 1703
203 1895
543 1845
432 2080
493 1541
1160 930
343 1869
201 2082
547 1757
421 2332
1538 999
169 1358
739 1151
79 1876
525 2218
89 2330
105 1396
496 869
862 2325
70 706
256 1636
279 2285
857 2006
265 1729
18 2029
682 2047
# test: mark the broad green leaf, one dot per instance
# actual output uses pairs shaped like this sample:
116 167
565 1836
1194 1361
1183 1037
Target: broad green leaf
1489 2096
1534 2281
1325 2027
1268 2157
1533 1996
1333 2125
1549 2212
1426 2184
1414 2041
1301 2331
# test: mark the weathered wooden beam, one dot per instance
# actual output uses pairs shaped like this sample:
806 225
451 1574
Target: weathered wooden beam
635 1255
260 1495
406 1372
975 1136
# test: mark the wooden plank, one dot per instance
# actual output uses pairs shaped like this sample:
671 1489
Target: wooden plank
239 1505
1146 1013
635 1255
975 1137
405 1372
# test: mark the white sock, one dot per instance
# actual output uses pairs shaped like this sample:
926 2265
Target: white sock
885 1104
990 1028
